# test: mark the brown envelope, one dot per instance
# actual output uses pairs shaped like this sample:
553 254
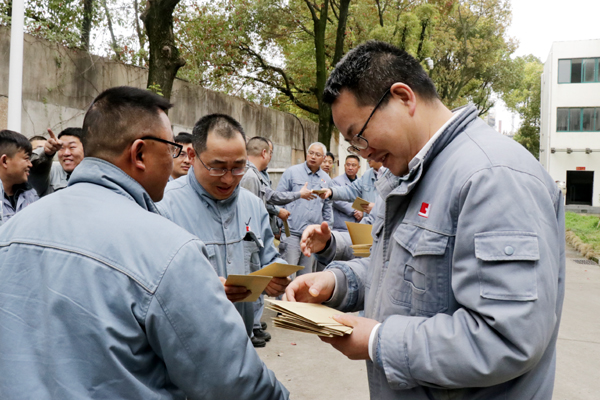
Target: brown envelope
359 204
278 270
360 233
256 284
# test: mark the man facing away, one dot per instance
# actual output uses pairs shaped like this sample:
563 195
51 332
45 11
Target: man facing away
231 221
47 176
107 299
464 287
303 212
182 164
17 194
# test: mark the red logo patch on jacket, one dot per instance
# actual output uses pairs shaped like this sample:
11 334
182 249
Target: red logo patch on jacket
424 211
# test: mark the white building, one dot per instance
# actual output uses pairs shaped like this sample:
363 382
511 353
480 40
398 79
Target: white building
570 120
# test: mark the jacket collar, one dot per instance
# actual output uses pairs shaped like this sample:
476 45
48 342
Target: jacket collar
389 183
102 173
308 171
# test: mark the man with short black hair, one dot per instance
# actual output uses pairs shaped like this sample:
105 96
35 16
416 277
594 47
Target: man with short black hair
37 142
232 222
464 288
15 151
113 300
342 210
47 176
182 164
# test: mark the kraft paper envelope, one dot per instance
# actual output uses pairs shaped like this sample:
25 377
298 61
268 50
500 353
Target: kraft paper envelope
286 226
255 284
277 270
308 317
319 191
359 204
360 233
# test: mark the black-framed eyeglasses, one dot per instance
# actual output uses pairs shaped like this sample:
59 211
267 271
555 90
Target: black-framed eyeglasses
174 147
358 143
222 171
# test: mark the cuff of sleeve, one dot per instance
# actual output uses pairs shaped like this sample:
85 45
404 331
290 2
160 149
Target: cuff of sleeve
332 197
338 291
372 338
297 195
327 255
391 352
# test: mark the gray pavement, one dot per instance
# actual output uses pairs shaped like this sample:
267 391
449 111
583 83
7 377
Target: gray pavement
311 369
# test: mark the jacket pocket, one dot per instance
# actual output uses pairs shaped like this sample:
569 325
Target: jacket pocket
419 267
507 265
252 245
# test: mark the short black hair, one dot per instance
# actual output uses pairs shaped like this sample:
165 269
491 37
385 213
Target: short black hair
330 154
11 142
371 68
117 117
37 137
183 138
76 132
256 145
219 124
353 156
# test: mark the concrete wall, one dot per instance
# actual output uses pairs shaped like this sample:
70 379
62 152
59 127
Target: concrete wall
60 83
555 95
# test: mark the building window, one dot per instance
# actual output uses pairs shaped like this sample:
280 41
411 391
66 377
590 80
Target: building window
579 70
578 119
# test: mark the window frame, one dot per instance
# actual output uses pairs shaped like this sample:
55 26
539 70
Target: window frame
596 66
595 123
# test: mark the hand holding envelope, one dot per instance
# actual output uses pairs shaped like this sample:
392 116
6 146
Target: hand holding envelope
273 275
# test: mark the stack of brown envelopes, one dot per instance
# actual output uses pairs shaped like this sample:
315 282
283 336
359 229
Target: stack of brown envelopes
307 317
361 250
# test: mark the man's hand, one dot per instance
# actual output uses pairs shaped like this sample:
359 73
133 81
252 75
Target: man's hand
235 293
327 194
277 286
356 345
314 238
283 214
369 208
52 145
358 215
311 288
306 194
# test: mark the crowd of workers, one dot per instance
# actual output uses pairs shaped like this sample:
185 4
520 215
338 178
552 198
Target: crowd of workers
113 284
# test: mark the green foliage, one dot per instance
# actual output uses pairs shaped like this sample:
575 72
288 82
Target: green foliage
525 99
585 227
155 88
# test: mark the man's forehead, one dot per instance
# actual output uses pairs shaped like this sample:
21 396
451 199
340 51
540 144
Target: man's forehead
70 139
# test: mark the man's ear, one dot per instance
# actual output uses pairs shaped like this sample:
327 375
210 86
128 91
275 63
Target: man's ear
137 156
191 153
405 94
3 161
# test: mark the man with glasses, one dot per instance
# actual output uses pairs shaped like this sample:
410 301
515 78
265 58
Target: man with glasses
464 287
105 298
304 212
182 164
231 221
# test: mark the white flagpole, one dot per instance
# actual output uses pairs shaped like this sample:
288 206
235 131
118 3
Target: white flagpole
15 77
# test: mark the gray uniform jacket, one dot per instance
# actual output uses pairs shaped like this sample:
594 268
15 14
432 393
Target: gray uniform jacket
25 196
342 210
106 299
305 212
466 273
45 175
236 231
254 181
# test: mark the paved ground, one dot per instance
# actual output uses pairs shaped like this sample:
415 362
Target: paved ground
313 370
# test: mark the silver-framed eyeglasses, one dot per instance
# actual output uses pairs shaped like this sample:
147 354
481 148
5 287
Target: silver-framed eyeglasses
174 147
222 171
358 142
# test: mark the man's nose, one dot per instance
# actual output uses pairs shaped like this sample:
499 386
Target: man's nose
227 178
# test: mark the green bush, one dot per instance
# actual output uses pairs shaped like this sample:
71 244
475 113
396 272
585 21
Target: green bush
585 227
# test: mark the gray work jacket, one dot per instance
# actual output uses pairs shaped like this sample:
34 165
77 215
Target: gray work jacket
466 273
103 298
46 176
342 210
236 231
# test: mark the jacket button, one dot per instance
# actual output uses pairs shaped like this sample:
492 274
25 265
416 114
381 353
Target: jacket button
509 250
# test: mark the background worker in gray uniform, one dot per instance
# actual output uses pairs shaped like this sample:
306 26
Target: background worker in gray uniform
464 287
